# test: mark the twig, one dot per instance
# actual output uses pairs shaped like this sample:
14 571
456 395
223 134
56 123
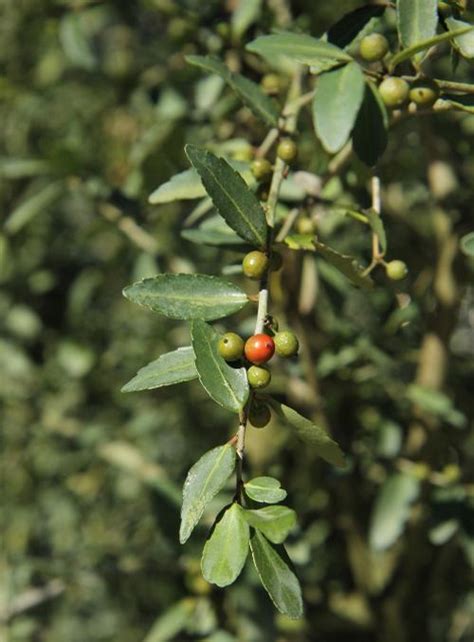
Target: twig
31 598
132 230
267 143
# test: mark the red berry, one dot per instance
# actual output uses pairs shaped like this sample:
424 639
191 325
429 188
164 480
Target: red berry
259 348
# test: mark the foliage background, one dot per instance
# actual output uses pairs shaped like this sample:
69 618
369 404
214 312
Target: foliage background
96 105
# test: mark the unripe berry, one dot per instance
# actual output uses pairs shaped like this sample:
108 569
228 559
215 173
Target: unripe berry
261 168
276 261
287 150
424 92
286 344
271 84
373 47
396 270
259 348
258 377
394 91
305 225
259 415
231 346
255 264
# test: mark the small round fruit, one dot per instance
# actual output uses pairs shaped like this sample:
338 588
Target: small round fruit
305 225
271 84
424 93
259 348
276 261
287 150
259 415
373 47
255 264
261 168
231 346
396 270
258 377
394 91
286 344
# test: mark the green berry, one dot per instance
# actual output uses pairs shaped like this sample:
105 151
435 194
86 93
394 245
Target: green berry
305 225
255 264
424 93
396 270
231 346
394 91
271 84
258 377
276 261
286 344
287 150
261 168
259 415
373 47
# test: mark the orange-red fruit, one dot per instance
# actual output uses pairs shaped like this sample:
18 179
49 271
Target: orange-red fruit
259 348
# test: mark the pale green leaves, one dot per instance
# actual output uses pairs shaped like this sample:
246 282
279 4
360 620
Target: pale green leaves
227 548
276 576
204 480
464 43
417 20
170 368
183 186
238 206
249 92
187 296
392 509
300 48
265 490
310 433
275 522
227 386
467 244
336 103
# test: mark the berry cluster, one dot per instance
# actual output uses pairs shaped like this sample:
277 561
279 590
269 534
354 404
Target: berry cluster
258 349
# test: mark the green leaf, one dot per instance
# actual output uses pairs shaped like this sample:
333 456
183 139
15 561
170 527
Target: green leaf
464 44
375 222
370 137
237 205
391 509
185 185
170 368
336 103
343 32
226 550
248 91
467 244
187 296
13 168
276 575
204 480
346 264
75 41
215 231
172 622
226 385
246 14
300 48
405 54
417 21
310 433
32 206
437 404
266 490
275 522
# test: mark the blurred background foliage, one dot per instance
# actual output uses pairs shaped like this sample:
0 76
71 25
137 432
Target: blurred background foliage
96 103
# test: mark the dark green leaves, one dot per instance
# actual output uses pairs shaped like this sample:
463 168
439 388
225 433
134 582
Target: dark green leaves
276 576
235 202
227 548
227 386
337 100
347 28
249 92
187 296
170 368
346 264
300 48
417 20
391 509
312 434
204 480
375 222
266 490
370 131
275 522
